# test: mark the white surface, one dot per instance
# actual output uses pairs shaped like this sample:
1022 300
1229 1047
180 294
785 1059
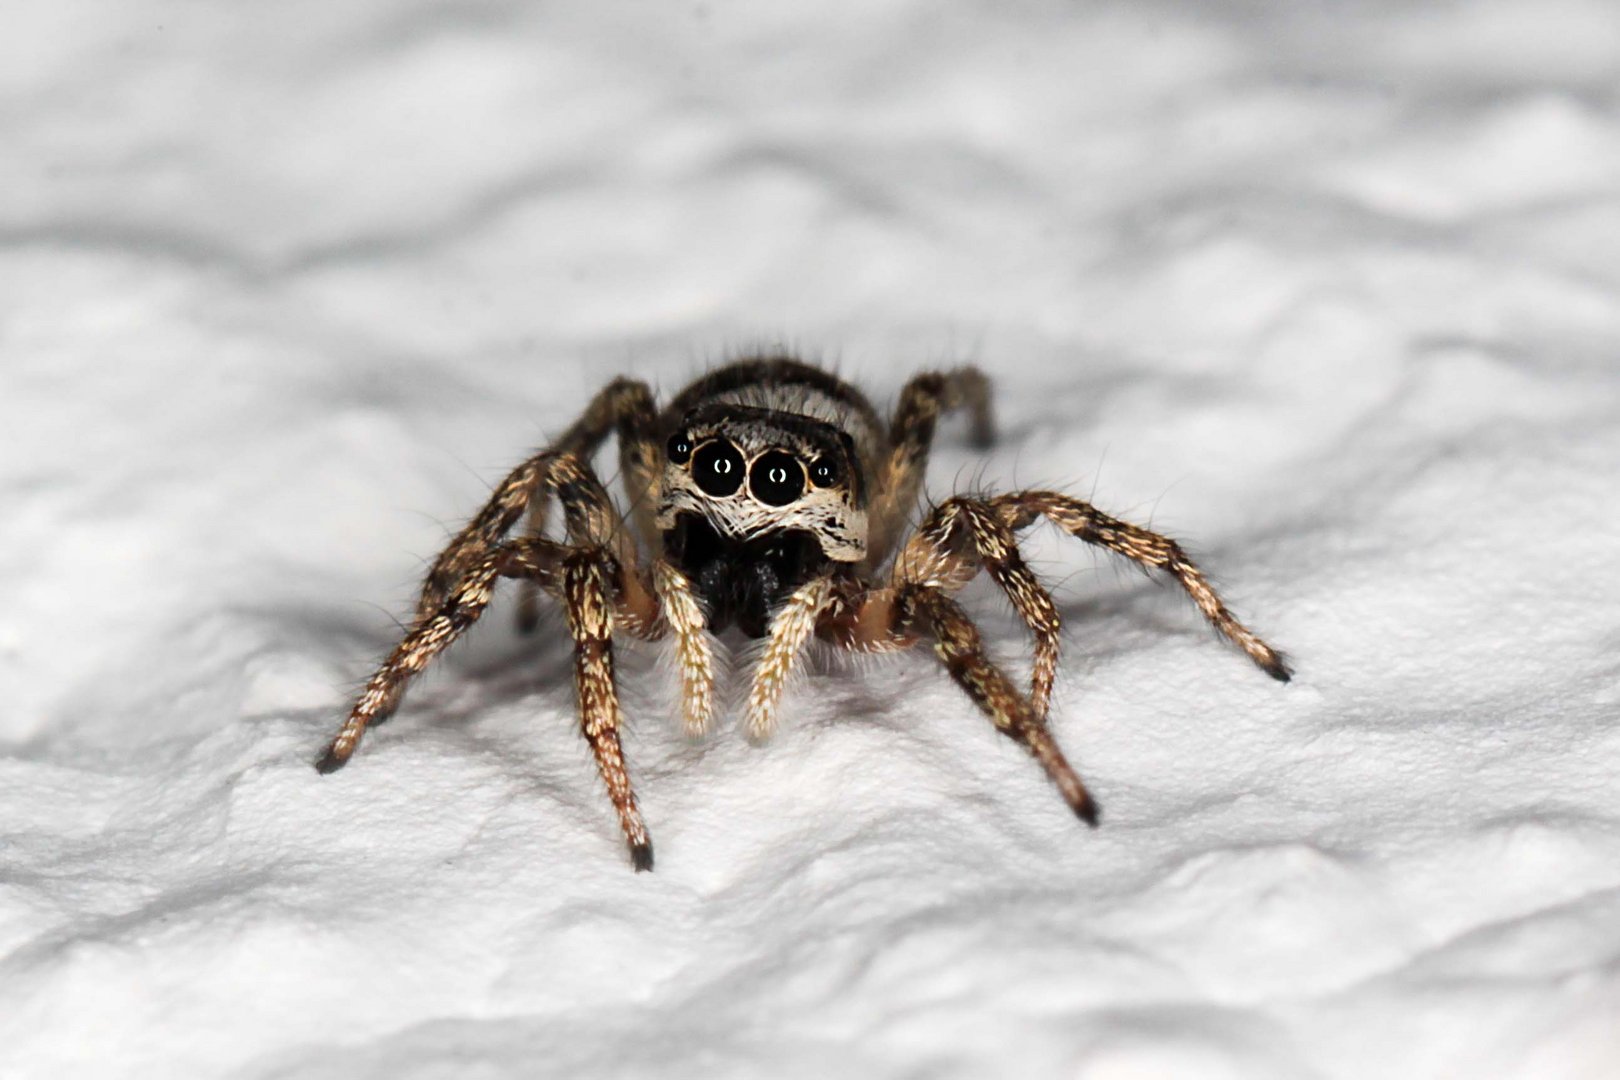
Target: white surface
1331 293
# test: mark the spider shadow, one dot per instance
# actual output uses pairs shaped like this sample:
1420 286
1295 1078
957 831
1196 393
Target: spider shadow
497 665
1119 623
1106 620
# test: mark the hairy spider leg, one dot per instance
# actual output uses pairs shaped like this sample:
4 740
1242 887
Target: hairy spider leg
455 592
486 529
694 651
899 476
600 591
948 549
1020 509
586 588
625 405
791 628
890 618
432 634
599 586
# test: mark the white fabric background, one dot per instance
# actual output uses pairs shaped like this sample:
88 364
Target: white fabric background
1329 291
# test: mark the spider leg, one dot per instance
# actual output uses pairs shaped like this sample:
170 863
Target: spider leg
528 598
948 549
596 577
488 527
432 634
1080 519
625 405
791 627
586 578
592 521
894 618
694 652
911 436
587 600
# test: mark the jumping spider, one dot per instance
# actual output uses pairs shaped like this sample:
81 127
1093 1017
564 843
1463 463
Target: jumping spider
770 495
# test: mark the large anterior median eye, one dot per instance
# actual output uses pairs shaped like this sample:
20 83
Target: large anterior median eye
776 479
717 468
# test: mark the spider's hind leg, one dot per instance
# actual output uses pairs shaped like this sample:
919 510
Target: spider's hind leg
923 401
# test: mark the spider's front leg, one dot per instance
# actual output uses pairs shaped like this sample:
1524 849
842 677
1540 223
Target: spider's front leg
1018 510
595 577
601 591
625 406
535 559
923 401
462 580
587 599
887 619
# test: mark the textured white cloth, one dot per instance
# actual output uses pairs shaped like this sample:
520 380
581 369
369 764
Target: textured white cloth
1330 292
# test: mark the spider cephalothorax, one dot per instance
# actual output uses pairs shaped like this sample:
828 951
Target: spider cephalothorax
768 496
754 502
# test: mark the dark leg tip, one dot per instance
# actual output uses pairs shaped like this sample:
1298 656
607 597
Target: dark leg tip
527 621
1087 812
1278 668
641 856
330 762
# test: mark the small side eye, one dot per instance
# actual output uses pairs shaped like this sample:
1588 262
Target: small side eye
824 472
776 478
680 448
718 468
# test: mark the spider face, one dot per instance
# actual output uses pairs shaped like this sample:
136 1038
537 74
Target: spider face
754 502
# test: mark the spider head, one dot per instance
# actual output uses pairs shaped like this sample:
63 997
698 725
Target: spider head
751 472
754 502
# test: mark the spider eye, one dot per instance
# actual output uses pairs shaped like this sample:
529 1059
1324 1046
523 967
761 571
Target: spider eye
680 448
824 472
776 478
717 468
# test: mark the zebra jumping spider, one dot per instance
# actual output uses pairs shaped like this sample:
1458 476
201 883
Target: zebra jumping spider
771 497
